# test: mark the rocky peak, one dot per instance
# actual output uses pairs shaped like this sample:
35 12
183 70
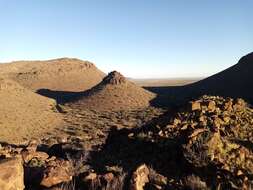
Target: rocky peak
114 78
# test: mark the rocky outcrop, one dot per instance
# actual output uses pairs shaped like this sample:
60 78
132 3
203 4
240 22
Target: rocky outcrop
206 144
57 172
139 178
114 78
216 131
11 174
24 164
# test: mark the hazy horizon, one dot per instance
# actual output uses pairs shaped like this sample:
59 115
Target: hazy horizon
141 39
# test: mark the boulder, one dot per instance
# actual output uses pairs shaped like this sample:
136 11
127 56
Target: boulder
28 156
195 105
12 174
56 173
139 178
32 145
239 105
211 106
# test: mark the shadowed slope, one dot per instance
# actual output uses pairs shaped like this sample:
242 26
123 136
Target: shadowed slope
236 81
115 93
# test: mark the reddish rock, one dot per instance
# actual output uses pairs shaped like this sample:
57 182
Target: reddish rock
27 156
57 173
195 106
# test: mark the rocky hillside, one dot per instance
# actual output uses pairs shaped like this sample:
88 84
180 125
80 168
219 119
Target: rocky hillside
115 92
24 114
235 81
206 144
63 74
212 136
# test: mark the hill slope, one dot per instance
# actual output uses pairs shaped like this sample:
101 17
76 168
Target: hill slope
115 92
236 81
63 74
24 114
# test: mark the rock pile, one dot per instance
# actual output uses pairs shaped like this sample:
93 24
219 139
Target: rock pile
207 144
26 165
36 166
216 132
114 78
229 117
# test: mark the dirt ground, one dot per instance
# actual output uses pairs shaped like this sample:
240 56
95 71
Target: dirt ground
91 127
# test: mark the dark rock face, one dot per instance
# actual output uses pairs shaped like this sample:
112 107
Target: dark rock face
236 81
114 78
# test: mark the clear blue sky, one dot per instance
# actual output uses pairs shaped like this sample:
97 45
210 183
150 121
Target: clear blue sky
140 38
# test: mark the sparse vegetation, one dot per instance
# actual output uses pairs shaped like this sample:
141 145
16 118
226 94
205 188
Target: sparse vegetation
115 136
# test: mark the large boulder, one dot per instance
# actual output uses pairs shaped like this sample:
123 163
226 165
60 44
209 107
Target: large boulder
28 156
11 174
57 172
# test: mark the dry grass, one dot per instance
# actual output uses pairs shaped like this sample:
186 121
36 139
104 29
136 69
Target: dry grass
117 183
64 74
195 183
24 114
68 186
115 96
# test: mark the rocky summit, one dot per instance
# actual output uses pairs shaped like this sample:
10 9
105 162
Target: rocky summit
114 78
